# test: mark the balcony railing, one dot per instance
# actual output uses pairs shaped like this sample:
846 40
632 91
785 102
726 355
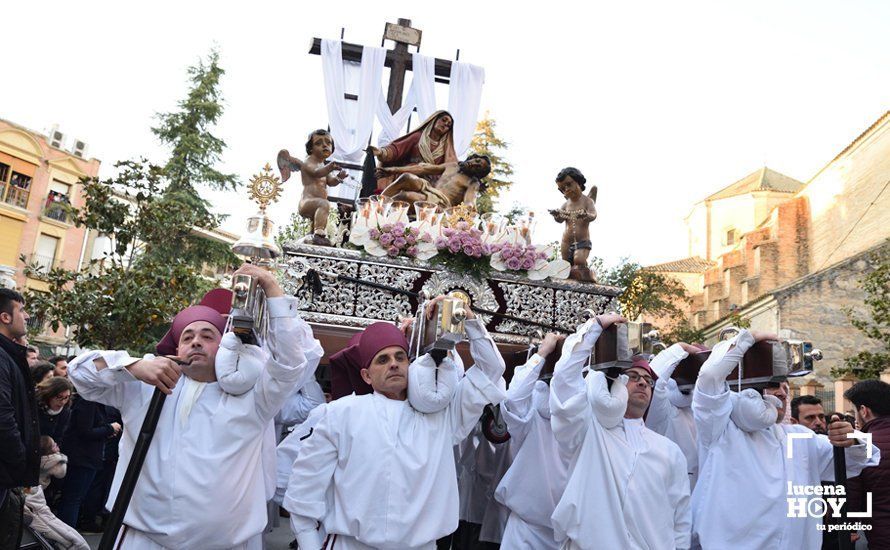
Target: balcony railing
56 207
14 195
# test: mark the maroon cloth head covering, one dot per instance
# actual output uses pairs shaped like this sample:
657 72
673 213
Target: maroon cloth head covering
219 299
640 362
170 341
346 364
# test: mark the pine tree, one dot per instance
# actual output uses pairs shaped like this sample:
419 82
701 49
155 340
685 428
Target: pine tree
194 151
150 213
486 142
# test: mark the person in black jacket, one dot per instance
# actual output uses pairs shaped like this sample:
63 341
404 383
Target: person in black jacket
19 430
84 444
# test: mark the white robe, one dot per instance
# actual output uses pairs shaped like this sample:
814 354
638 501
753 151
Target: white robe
378 471
740 500
203 484
627 486
670 413
536 480
298 405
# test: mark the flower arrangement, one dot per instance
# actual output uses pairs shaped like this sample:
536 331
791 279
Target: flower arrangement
457 240
461 247
516 257
398 239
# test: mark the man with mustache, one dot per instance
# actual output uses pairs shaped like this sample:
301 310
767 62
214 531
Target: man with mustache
202 484
807 411
375 471
627 485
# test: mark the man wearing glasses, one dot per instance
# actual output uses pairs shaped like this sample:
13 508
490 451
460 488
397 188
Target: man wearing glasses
627 485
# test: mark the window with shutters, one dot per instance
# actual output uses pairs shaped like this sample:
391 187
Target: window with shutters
14 187
45 254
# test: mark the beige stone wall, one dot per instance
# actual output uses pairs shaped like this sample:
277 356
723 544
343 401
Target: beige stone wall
814 310
697 230
842 222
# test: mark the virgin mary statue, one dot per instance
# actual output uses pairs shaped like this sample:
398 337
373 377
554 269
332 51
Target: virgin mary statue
430 143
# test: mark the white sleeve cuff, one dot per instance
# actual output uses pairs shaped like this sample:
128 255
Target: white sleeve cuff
486 387
117 363
475 329
282 306
310 539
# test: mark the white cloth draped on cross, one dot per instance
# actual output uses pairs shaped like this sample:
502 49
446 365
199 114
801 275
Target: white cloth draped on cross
352 127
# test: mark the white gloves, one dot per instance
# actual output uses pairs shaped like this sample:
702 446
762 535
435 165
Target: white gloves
426 392
608 406
751 412
238 366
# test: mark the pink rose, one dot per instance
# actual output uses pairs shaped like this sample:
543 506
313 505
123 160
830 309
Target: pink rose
393 251
374 233
386 239
411 239
454 247
528 263
386 228
513 264
399 242
412 251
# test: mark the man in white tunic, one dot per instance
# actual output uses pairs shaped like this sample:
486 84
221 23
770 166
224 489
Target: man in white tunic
627 486
376 472
202 483
741 498
536 479
670 413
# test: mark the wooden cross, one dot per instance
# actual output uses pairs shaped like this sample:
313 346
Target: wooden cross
398 59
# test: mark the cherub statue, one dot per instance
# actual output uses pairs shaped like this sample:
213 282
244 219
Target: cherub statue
317 177
456 183
577 213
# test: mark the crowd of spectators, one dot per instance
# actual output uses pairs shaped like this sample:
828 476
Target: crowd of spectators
58 451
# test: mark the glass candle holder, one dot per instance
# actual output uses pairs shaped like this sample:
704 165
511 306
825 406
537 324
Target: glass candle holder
397 211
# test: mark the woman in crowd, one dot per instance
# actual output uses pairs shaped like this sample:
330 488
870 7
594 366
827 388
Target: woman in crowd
53 401
41 372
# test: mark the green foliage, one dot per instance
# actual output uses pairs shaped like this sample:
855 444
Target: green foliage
875 325
193 149
156 222
735 319
298 228
515 212
683 331
486 142
645 292
479 268
110 306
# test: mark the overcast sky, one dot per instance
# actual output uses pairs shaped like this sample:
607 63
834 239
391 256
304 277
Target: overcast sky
658 103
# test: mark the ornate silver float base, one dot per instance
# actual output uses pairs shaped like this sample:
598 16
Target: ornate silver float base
553 302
